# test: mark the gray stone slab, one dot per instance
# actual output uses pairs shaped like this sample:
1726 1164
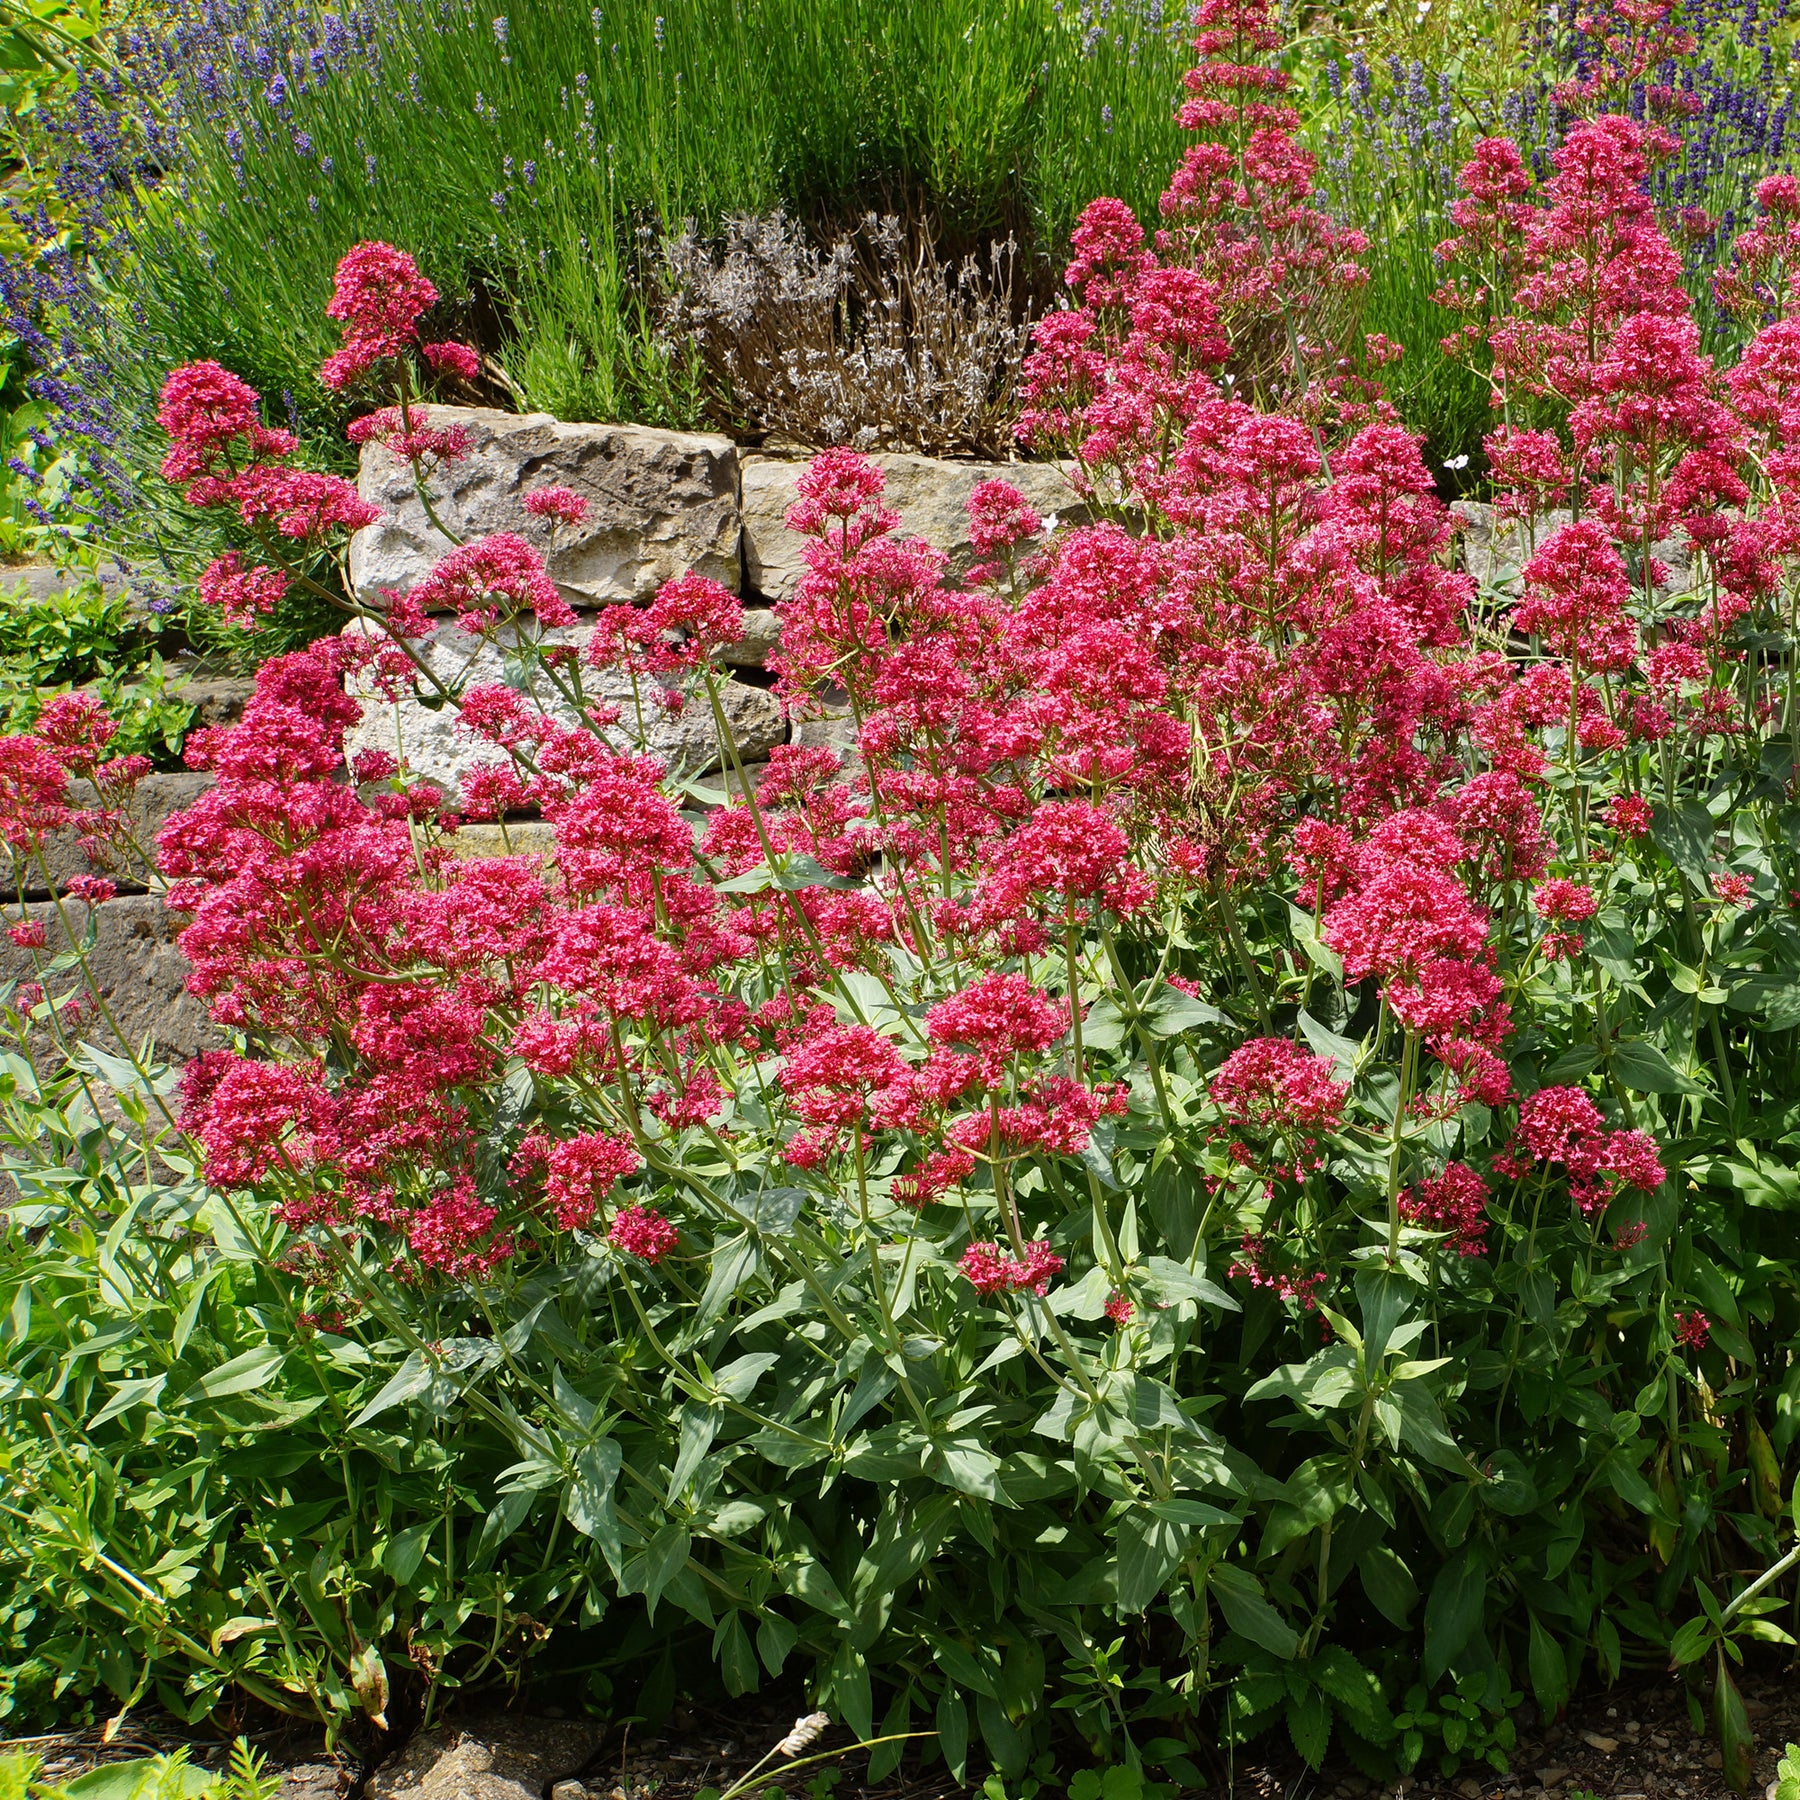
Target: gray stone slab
1494 550
762 633
660 503
154 802
140 974
930 494
46 581
431 744
216 699
490 1759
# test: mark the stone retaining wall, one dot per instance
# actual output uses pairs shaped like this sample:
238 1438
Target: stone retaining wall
659 504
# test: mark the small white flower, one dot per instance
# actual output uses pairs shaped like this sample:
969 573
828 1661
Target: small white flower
1456 462
1051 521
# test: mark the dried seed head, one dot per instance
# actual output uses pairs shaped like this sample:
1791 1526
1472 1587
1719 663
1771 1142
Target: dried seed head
805 1734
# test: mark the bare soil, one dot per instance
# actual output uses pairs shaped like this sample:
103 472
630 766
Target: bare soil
1632 1742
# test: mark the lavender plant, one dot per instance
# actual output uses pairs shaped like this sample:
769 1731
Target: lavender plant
234 150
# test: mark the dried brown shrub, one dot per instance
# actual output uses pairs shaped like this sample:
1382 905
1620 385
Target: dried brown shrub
871 342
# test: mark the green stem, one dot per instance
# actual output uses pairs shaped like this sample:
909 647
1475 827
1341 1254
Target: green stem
1409 1063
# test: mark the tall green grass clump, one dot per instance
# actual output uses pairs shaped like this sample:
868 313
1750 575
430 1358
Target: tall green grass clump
535 158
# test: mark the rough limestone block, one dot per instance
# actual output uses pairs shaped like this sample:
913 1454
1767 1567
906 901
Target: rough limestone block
930 495
1497 546
156 800
762 632
135 964
520 837
493 1759
216 700
660 503
432 746
830 725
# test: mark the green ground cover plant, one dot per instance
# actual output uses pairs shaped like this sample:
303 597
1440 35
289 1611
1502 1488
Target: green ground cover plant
188 1509
84 636
170 1777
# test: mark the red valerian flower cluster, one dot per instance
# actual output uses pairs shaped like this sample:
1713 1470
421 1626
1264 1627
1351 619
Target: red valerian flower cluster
379 297
1274 1089
1455 1203
1139 821
1693 1330
1563 1125
642 1233
991 1271
1255 1263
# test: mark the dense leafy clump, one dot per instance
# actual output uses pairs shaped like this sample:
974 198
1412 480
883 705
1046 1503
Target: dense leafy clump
1226 1168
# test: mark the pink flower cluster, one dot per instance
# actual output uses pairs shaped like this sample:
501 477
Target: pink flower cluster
642 1233
1277 1091
1256 1263
1693 1330
1563 1125
991 1271
1455 1203
72 743
1086 778
379 297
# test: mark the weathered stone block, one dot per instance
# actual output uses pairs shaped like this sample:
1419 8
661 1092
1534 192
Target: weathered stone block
46 581
216 699
762 632
318 1781
155 801
134 964
520 837
493 1759
930 495
833 727
431 744
659 504
1495 550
